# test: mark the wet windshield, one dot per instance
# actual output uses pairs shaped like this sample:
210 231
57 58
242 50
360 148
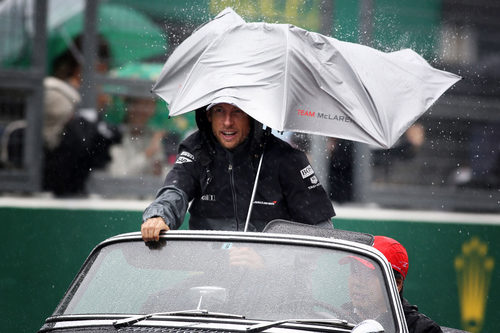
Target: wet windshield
256 280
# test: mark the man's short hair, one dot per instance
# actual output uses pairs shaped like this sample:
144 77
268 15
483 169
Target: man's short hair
66 64
397 275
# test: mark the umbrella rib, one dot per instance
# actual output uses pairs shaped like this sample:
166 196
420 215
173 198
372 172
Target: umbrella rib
195 66
188 76
376 135
382 122
285 84
369 99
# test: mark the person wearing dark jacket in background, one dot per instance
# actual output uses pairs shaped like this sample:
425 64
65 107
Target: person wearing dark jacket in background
76 141
216 168
397 256
341 166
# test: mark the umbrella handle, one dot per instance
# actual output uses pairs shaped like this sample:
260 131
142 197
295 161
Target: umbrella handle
253 192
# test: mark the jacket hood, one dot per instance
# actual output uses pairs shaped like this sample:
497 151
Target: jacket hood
257 136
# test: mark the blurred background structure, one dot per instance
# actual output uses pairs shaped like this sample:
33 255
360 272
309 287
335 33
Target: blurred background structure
449 162
100 58
454 165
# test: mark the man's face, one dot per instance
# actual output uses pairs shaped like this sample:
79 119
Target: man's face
365 290
230 125
139 111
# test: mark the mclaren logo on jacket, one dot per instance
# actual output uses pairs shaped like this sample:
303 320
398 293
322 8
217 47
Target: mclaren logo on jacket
266 203
184 157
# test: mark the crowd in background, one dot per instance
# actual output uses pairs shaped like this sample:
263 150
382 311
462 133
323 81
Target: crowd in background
130 136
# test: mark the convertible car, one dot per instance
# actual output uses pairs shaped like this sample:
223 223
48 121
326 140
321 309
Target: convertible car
290 278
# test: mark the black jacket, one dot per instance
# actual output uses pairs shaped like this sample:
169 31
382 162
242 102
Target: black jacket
84 147
418 322
220 182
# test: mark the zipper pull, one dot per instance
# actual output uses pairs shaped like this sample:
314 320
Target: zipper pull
209 176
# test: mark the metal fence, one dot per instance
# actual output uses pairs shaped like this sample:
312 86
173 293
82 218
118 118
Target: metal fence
463 39
20 95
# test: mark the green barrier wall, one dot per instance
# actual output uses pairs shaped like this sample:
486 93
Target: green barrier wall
442 256
44 248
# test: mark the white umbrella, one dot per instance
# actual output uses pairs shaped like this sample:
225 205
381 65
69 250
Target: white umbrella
291 79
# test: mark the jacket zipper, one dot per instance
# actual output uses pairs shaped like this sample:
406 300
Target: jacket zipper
233 191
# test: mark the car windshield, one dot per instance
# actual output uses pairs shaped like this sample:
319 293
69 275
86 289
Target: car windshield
262 281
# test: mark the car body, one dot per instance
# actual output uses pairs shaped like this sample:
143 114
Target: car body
290 278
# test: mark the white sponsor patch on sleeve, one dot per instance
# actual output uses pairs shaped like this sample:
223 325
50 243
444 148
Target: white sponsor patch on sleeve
188 155
306 172
184 157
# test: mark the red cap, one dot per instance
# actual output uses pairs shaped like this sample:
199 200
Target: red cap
394 252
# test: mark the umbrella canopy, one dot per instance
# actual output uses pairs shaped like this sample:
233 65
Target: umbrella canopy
291 79
131 35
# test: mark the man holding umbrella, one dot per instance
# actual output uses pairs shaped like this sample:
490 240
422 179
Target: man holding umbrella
216 168
289 79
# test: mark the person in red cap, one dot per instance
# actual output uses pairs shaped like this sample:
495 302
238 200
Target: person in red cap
397 256
366 292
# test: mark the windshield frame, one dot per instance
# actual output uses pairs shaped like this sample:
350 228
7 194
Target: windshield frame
250 237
